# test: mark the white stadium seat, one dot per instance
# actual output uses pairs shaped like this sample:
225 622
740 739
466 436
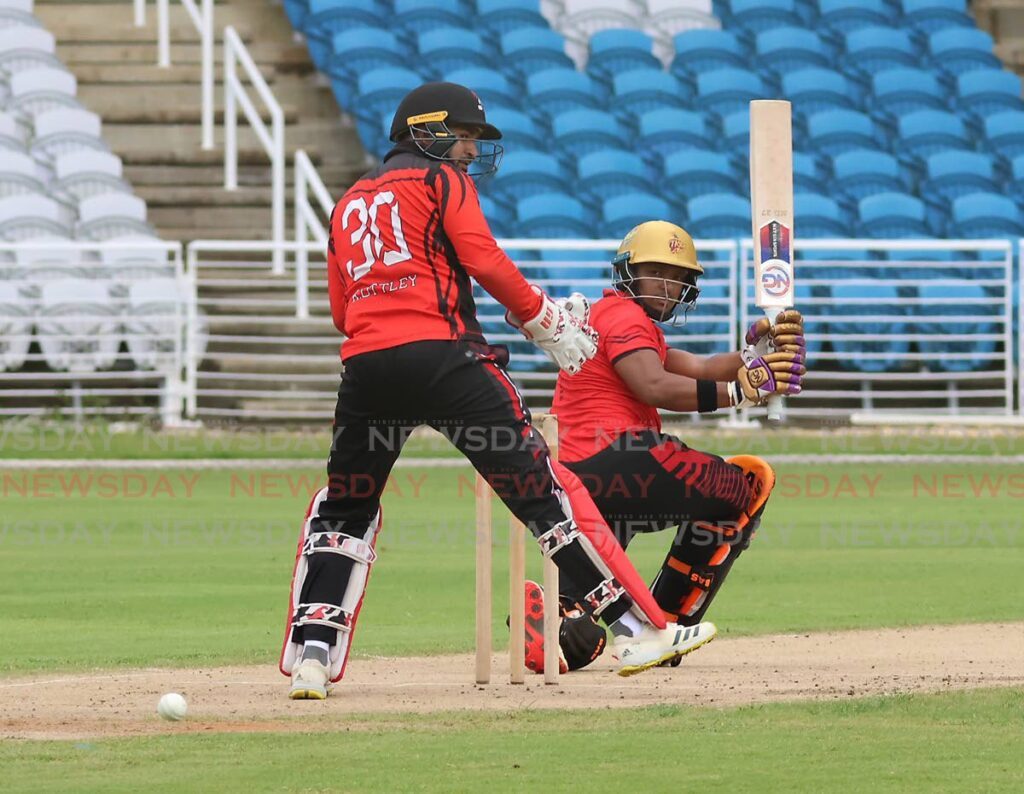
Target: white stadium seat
11 135
155 322
110 215
88 172
32 216
15 326
78 329
64 130
585 17
34 91
23 47
20 174
17 12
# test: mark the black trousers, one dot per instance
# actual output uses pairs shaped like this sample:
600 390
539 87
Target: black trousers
462 390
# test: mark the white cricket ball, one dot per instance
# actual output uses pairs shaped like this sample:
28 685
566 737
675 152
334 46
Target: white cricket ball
172 706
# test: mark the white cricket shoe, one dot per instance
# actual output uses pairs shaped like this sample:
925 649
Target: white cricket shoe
309 680
654 646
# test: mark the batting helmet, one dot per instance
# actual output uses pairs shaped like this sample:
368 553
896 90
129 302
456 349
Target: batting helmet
663 243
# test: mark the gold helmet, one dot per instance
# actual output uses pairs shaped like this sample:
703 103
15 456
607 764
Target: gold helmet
664 243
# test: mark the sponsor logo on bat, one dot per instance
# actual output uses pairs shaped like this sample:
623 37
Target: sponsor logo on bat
775 280
775 242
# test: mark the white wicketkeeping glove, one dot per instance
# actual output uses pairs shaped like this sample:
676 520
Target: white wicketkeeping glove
555 329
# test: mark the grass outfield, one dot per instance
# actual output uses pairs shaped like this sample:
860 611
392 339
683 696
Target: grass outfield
964 741
182 567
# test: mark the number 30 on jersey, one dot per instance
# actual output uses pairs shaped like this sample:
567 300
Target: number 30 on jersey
368 233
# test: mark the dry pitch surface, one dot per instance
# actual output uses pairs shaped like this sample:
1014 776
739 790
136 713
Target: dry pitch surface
728 672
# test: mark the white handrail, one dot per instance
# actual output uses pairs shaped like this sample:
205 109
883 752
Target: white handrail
140 13
203 21
273 141
307 221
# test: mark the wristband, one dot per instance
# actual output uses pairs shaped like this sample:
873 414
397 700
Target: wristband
707 396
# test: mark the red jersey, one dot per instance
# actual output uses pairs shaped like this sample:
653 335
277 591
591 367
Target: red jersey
404 241
595 405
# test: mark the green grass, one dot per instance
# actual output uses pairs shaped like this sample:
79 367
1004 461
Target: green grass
196 571
966 741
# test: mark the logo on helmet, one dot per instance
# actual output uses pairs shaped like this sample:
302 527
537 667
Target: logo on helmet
479 101
675 245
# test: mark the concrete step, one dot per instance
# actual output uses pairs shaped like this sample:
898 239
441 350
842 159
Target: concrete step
160 104
99 21
291 59
137 74
337 178
178 144
254 364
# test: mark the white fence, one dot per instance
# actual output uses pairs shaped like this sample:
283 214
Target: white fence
202 18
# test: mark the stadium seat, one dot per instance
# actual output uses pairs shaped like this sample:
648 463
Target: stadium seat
421 16
987 91
956 50
34 91
892 215
926 132
819 216
869 50
902 91
982 215
358 50
640 90
29 217
450 49
718 216
615 50
584 131
136 254
17 12
584 18
501 16
622 213
108 215
1004 133
553 215
692 172
524 173
723 91
807 174
19 175
64 130
15 326
665 131
949 175
787 49
859 173
670 17
556 90
814 90
955 298
588 272
154 323
12 137
77 330
518 130
757 16
609 173
493 87
498 218
26 47
326 18
736 133
698 51
840 17
380 91
530 50
1015 181
860 340
833 132
928 16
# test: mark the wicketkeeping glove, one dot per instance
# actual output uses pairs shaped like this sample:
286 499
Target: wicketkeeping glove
757 380
555 330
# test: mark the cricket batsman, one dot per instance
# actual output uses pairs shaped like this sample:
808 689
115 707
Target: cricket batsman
405 242
641 479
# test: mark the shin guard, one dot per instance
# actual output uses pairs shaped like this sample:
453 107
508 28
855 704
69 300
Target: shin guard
340 617
695 568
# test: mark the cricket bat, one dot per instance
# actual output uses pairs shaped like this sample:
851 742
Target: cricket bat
771 205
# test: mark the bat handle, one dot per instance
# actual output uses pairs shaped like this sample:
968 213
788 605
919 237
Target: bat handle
774 403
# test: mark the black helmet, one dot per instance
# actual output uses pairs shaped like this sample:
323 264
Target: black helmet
431 110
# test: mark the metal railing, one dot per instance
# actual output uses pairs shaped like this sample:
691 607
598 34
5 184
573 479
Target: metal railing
235 94
202 18
307 222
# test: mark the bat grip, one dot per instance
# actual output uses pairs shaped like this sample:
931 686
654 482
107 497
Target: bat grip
775 402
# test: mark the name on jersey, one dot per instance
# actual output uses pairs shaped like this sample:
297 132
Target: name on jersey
383 288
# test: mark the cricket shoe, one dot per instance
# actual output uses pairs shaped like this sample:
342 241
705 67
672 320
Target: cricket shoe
654 646
309 680
534 625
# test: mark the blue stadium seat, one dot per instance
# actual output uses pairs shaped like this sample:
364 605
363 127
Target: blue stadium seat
718 216
819 216
296 10
926 132
568 266
987 91
488 84
757 16
622 213
553 91
358 50
843 16
585 131
381 90
421 16
529 50
833 132
553 215
856 303
723 91
981 215
612 172
663 132
951 299
701 50
496 216
955 51
736 133
524 173
860 173
902 91
874 49
449 49
501 16
518 131
616 50
814 90
1004 133
690 173
807 174
1015 181
892 215
928 16
787 49
949 175
640 90
328 17
839 263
